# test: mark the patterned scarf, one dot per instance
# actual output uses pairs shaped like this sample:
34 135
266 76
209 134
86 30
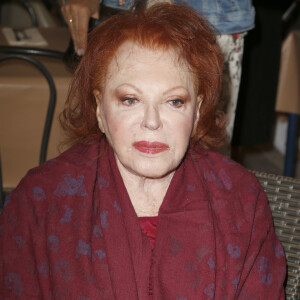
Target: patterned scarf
69 231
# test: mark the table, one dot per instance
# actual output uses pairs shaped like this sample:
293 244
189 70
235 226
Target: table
288 95
23 104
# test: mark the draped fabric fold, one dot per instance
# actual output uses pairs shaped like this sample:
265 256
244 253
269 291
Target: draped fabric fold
69 231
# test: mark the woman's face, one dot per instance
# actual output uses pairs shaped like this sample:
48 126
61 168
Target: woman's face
147 110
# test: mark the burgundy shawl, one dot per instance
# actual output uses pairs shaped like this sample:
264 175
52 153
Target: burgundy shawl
69 231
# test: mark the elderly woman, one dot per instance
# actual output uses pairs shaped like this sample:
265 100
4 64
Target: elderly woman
141 206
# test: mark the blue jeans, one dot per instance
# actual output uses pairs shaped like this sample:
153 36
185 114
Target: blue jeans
227 16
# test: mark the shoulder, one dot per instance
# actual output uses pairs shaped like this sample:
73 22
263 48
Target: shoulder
56 181
77 158
231 187
235 194
215 165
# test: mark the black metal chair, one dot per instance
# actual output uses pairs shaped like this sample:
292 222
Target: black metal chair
49 4
31 12
50 110
31 51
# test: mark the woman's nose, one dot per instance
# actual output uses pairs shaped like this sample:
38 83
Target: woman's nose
151 118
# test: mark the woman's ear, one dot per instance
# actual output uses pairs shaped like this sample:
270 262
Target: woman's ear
197 114
99 116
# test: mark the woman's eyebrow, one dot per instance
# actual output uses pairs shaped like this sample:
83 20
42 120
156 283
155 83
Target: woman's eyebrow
179 87
130 85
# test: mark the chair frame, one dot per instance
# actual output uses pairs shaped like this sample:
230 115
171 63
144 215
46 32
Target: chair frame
49 115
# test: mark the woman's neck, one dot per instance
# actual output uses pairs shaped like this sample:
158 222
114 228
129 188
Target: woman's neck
146 194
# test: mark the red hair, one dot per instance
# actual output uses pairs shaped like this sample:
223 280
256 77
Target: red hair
163 26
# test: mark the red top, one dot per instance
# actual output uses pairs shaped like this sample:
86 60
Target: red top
149 226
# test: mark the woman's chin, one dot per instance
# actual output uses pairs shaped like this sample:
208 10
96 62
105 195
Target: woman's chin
153 172
148 167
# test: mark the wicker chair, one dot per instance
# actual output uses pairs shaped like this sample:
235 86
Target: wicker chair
284 198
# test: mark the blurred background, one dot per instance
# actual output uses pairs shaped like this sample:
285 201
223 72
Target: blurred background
265 97
268 101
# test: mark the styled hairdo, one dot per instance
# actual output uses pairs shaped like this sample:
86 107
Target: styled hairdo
162 26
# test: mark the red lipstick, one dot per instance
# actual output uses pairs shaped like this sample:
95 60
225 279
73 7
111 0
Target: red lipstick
150 147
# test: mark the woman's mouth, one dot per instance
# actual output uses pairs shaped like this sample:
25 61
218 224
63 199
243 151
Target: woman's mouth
150 147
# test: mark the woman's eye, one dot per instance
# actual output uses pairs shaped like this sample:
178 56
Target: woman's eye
129 101
176 102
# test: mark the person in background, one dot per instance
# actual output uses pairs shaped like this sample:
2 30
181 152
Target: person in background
142 206
232 19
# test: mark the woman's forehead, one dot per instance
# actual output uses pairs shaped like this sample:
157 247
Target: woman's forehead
132 56
133 50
